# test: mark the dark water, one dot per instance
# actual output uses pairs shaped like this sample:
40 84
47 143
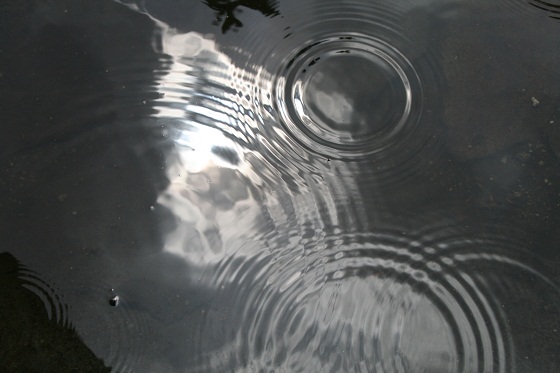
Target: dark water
285 186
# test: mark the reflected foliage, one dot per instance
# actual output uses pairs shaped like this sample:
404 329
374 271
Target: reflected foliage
225 11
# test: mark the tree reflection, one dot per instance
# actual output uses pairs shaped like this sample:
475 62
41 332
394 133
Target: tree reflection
225 10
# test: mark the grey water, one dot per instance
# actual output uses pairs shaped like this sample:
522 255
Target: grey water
280 186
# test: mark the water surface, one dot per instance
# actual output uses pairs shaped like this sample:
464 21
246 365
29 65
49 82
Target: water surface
287 186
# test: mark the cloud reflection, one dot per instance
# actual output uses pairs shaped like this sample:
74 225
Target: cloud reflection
210 191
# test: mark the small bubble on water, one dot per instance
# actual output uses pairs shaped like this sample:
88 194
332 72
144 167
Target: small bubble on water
114 301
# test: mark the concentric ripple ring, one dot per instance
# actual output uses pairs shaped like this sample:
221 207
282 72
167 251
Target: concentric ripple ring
348 96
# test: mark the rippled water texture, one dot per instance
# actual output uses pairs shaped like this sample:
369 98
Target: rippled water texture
286 186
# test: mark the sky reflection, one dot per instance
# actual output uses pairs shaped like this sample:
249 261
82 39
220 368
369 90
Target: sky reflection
210 188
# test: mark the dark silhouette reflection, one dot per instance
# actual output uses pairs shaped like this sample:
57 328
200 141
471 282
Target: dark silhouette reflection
225 10
227 154
30 341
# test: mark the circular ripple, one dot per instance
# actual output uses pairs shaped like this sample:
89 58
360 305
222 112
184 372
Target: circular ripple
429 301
57 310
357 302
550 8
348 96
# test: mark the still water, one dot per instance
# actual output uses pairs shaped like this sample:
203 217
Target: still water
287 186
